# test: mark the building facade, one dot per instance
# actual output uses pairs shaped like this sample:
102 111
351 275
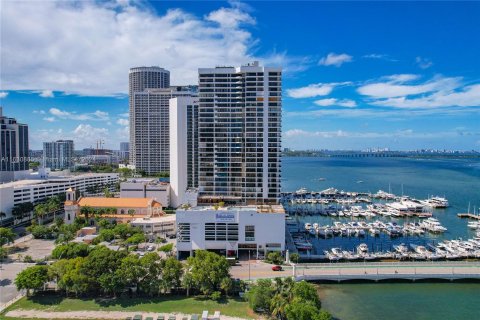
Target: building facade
140 79
183 147
231 231
146 188
58 155
118 209
13 147
239 128
37 190
149 131
124 152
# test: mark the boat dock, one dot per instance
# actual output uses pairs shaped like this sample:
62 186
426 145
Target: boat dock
468 216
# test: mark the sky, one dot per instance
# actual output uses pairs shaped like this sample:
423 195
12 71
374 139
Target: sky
357 75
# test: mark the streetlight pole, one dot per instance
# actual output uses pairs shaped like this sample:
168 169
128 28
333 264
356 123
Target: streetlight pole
248 264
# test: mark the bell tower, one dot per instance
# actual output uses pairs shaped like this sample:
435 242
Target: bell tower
71 206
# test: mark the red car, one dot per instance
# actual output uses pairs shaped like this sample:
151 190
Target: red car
277 268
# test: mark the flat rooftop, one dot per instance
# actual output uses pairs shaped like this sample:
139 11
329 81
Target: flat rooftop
265 208
52 179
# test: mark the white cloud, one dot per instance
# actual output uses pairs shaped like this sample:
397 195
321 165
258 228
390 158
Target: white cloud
333 59
39 112
99 41
378 56
423 63
335 102
49 119
88 133
315 90
3 94
46 94
62 114
123 122
395 86
468 96
403 91
230 17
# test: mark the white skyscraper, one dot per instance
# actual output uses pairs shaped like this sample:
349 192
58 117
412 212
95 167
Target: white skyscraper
143 132
239 132
183 147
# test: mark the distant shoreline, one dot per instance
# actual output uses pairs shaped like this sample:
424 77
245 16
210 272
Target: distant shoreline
389 154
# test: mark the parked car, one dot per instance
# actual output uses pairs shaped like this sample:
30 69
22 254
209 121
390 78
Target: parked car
277 268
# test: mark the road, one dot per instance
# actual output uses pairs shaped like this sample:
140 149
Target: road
8 272
367 271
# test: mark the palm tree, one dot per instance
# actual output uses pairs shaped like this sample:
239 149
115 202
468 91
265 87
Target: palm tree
40 211
278 305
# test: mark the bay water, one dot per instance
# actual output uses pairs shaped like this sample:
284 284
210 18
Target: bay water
456 179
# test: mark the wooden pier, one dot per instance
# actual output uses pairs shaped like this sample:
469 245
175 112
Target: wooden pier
468 216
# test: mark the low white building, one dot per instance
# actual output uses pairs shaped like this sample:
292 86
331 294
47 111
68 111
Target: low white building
146 188
36 190
163 225
231 231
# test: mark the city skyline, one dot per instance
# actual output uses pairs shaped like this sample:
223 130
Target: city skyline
351 85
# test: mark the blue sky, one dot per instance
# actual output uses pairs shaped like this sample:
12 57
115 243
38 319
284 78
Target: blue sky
358 75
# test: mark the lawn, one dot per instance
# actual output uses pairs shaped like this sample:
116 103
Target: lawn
232 307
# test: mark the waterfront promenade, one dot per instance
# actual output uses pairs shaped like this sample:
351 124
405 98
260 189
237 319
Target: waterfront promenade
381 271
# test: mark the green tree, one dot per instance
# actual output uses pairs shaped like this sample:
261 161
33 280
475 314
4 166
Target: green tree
207 270
166 248
32 278
131 270
40 231
136 238
101 260
71 250
294 257
172 271
6 236
150 284
71 277
306 292
226 285
301 310
275 257
40 211
260 295
187 282
278 305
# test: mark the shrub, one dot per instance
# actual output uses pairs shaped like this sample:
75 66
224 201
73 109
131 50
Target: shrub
166 248
294 257
216 295
274 257
28 259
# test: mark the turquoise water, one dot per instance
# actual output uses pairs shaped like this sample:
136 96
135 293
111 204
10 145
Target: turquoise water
456 179
400 301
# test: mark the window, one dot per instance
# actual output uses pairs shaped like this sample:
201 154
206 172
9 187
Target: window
209 231
183 232
249 233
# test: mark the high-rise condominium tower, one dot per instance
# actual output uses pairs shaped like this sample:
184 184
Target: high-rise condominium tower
148 118
183 147
239 129
58 154
13 147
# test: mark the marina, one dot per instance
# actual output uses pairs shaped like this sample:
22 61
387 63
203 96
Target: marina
380 221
